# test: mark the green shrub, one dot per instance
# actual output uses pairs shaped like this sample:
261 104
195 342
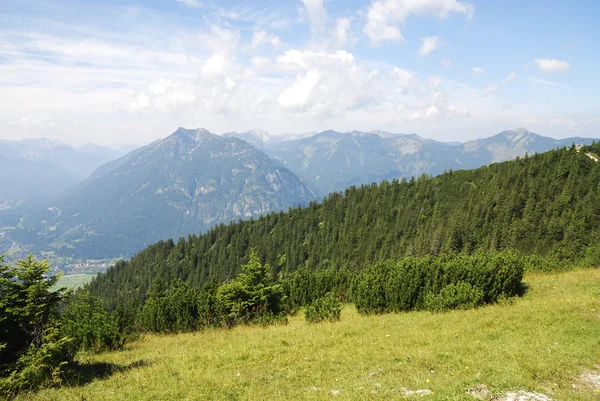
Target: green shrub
91 327
252 296
327 307
40 366
454 296
33 352
403 285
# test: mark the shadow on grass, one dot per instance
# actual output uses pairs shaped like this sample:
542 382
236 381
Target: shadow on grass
522 290
81 373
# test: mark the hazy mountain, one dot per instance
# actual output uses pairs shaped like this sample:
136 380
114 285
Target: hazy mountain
185 183
32 180
508 145
263 140
79 162
332 161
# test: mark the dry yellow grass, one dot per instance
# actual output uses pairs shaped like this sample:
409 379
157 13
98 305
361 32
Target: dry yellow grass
542 342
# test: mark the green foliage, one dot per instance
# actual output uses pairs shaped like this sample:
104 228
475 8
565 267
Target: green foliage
454 296
327 308
32 350
252 295
411 283
39 366
89 324
179 308
305 285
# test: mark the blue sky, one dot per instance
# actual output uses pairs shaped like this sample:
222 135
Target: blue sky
116 72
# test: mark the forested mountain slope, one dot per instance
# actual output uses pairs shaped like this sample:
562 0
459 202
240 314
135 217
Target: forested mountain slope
546 203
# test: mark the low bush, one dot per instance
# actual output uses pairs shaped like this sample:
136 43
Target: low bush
390 286
327 308
454 296
89 325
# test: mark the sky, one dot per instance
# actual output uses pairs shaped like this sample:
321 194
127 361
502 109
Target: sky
117 72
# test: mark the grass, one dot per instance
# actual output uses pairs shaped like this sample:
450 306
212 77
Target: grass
541 342
74 280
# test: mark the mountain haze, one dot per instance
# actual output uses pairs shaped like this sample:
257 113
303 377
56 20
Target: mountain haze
39 170
183 184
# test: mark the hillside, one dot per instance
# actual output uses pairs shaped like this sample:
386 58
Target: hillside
545 342
547 203
185 183
332 161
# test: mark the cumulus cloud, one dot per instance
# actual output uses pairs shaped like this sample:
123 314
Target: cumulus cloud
342 31
446 63
260 38
429 44
490 89
317 14
298 94
509 78
552 65
477 71
384 16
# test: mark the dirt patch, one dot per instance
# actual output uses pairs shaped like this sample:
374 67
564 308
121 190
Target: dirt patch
480 391
591 379
419 393
524 396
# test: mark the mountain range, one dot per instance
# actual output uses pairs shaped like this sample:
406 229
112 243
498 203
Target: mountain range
193 180
37 170
185 183
332 161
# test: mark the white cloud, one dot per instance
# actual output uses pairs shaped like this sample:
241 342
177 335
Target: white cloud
446 63
317 14
404 78
191 3
552 65
545 82
297 95
260 38
490 89
214 66
477 71
384 16
436 81
342 31
509 78
529 121
564 122
429 44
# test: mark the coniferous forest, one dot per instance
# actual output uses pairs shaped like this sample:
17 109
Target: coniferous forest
545 205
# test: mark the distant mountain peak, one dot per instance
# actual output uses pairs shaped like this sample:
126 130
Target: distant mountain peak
518 134
260 134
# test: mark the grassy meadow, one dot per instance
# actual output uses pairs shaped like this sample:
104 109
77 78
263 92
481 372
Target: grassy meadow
74 280
543 342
